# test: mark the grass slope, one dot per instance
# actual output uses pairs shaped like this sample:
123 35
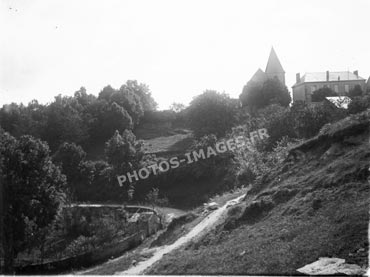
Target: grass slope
315 205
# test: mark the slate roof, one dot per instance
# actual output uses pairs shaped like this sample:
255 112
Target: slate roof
333 76
259 76
273 64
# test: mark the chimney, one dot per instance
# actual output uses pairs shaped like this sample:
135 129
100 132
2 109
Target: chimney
356 73
298 78
327 75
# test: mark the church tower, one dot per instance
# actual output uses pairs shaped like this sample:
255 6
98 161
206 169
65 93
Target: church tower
274 68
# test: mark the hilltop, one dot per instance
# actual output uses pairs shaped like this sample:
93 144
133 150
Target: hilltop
315 205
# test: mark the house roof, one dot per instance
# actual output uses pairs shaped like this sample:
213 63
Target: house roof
259 76
273 63
333 76
340 101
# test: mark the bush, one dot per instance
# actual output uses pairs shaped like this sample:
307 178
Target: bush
309 119
320 94
81 245
272 91
212 113
355 92
359 104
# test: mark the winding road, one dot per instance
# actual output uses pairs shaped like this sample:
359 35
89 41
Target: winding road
203 227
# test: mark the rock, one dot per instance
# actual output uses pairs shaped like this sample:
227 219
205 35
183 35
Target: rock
211 206
331 266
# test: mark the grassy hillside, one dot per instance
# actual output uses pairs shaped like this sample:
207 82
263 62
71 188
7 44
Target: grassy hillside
315 205
168 145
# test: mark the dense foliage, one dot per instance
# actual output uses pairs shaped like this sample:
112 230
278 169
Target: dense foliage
212 113
320 94
33 192
84 119
259 95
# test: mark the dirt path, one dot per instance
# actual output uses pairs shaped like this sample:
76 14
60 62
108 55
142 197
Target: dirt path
202 228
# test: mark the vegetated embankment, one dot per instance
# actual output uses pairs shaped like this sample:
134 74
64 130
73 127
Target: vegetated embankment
315 205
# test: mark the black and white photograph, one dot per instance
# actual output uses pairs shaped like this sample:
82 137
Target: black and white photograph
184 137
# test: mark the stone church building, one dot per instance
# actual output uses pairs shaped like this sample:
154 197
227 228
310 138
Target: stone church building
273 70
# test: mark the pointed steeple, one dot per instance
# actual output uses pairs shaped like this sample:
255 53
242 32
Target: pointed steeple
274 69
273 64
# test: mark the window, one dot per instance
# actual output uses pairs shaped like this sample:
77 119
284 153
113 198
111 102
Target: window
346 88
336 88
313 88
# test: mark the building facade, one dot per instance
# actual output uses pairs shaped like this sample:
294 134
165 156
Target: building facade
340 82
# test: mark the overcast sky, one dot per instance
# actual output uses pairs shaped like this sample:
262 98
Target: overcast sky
177 48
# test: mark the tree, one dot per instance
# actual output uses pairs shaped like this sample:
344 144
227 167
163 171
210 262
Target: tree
359 104
64 122
143 92
177 107
320 94
308 119
130 101
106 93
123 152
69 157
258 95
279 124
19 119
133 97
212 113
33 192
106 118
355 92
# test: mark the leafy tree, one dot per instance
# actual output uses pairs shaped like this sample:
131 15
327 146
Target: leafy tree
177 107
123 152
97 182
143 92
133 97
308 119
64 122
106 118
355 92
279 124
320 94
83 98
258 95
106 93
130 101
359 104
20 119
212 113
69 157
33 191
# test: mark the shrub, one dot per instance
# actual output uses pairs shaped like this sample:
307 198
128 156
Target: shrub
359 104
320 94
272 91
212 113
